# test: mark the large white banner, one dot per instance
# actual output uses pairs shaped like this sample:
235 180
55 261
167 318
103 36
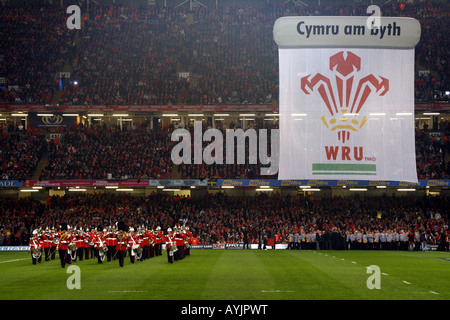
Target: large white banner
347 113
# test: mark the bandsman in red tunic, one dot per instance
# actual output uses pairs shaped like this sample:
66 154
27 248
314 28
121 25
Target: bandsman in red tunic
159 237
137 237
100 248
79 241
65 237
89 243
151 243
122 242
35 248
143 243
54 244
171 248
179 242
134 248
111 243
46 243
146 241
41 240
189 237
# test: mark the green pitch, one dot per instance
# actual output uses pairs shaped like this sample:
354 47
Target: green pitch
235 275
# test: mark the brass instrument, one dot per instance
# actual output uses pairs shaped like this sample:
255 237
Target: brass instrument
138 250
36 253
121 235
88 239
56 240
102 249
72 247
102 252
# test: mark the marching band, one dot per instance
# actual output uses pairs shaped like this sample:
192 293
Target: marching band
114 242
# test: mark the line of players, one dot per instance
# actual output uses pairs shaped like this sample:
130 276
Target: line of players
112 243
412 240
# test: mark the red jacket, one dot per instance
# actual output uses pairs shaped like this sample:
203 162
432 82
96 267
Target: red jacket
34 243
159 237
189 236
122 242
46 240
79 240
179 240
99 240
110 239
64 239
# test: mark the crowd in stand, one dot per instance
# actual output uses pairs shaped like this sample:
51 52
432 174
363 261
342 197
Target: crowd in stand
430 56
110 152
133 55
20 153
128 56
17 219
430 155
223 219
36 44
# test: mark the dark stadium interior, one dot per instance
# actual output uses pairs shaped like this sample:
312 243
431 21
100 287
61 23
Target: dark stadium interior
137 70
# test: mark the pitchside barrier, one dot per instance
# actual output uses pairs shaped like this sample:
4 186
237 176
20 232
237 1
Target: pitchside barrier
347 97
197 246
278 246
14 248
237 245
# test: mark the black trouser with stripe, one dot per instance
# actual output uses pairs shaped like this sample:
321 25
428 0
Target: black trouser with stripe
64 257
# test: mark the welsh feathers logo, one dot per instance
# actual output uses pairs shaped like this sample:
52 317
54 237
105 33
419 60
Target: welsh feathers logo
343 105
52 120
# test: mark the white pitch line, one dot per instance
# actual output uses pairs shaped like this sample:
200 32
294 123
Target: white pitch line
128 291
13 260
406 282
433 292
277 291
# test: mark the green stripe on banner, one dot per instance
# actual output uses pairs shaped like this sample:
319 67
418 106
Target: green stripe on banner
346 173
344 168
